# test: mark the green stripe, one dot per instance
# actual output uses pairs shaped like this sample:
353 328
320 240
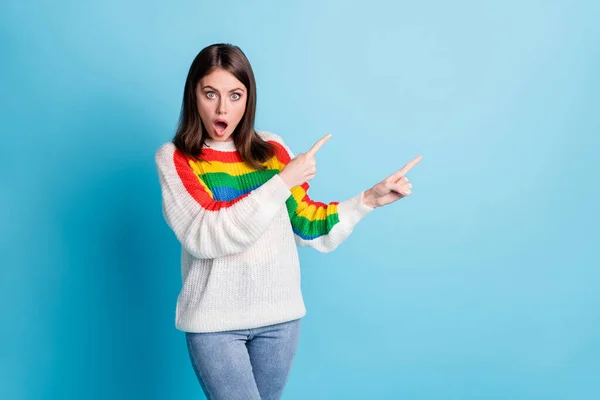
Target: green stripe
307 226
241 182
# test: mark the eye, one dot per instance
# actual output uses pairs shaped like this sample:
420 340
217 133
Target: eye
208 94
236 94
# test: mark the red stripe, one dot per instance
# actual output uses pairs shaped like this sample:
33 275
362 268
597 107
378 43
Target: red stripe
209 154
222 156
280 152
308 200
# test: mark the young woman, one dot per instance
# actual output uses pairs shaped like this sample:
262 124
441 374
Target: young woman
237 201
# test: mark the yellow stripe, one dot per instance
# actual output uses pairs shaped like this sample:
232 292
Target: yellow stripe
274 163
197 171
232 169
311 212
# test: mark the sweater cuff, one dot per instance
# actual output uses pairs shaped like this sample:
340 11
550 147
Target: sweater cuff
353 210
279 190
365 208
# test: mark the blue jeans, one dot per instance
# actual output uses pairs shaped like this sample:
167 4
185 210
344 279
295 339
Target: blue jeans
248 364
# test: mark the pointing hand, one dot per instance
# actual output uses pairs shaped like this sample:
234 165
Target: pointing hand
303 167
392 188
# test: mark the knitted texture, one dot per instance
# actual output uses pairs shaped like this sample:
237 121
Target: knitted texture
239 228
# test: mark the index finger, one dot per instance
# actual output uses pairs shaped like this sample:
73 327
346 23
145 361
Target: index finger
313 150
403 171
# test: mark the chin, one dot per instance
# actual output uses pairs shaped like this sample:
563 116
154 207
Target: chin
220 138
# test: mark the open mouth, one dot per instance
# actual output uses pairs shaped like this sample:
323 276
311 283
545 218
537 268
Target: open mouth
220 126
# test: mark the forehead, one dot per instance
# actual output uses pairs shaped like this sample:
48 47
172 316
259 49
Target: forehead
221 79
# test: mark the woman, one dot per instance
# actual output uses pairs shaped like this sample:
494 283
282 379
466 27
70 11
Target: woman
237 201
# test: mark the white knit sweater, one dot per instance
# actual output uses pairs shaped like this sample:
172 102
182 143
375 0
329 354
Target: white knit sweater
239 261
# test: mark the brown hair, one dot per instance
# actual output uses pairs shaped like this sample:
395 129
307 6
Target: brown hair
191 133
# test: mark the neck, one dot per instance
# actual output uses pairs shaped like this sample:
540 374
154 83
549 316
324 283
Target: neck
221 146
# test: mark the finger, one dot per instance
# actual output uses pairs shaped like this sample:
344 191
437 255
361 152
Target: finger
396 188
404 191
391 186
318 145
399 189
404 170
401 179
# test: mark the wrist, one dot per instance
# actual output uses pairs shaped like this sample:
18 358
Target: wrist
282 177
368 199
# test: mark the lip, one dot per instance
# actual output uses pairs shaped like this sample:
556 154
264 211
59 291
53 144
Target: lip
221 120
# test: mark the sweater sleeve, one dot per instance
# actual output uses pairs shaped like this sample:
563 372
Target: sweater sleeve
208 228
323 226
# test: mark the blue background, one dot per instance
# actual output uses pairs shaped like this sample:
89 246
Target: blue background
483 284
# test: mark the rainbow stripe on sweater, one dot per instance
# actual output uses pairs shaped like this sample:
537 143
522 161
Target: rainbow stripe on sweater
223 179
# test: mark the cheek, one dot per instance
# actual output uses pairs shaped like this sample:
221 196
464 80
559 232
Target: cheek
202 106
206 109
204 112
239 110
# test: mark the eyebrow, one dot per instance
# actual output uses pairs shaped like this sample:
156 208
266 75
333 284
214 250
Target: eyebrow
210 87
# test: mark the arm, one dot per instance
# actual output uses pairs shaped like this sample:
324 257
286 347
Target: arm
207 228
319 225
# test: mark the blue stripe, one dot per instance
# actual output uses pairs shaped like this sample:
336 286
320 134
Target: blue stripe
226 193
306 237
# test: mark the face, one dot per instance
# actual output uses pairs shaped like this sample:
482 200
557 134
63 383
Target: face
221 103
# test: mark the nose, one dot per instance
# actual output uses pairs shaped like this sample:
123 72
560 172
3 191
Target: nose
221 107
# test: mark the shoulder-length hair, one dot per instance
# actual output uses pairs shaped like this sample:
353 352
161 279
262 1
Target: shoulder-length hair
191 133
